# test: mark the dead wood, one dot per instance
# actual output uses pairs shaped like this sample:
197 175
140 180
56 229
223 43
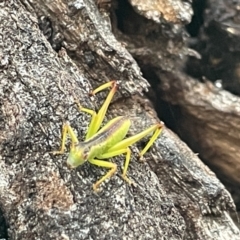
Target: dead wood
206 116
176 195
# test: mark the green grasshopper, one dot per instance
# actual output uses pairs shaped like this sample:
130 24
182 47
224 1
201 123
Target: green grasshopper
107 142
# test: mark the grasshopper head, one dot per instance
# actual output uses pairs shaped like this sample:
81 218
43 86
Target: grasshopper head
77 156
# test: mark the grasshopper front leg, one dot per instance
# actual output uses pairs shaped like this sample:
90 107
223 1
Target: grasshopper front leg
66 130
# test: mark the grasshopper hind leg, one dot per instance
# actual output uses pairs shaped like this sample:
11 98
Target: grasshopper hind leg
97 118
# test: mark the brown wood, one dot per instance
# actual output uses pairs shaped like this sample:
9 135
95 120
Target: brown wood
176 196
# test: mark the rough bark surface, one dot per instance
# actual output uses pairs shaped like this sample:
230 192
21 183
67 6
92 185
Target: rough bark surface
199 109
175 197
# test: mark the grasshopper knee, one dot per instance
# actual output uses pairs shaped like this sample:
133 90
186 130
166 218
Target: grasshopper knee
130 182
106 176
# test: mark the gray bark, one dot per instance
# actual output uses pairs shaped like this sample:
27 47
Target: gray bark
176 196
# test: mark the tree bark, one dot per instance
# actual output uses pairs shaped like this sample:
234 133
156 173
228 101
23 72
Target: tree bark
41 72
